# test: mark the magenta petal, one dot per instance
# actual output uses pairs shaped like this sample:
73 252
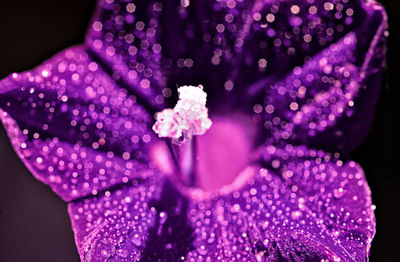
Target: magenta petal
115 224
79 124
125 37
73 127
329 101
336 193
307 206
154 45
144 220
316 208
285 34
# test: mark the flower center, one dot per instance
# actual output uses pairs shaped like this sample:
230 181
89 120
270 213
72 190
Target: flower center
189 117
199 156
222 154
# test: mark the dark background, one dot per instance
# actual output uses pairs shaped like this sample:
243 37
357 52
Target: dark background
34 223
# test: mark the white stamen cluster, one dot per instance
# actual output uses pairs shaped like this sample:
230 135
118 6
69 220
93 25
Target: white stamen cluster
189 117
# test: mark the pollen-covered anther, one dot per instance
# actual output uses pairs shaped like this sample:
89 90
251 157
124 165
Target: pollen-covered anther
189 117
168 124
193 94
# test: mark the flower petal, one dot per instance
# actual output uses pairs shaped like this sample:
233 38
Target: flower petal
283 34
309 207
73 127
144 220
225 45
329 101
124 37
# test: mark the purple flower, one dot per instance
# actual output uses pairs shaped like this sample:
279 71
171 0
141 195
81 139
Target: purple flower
291 89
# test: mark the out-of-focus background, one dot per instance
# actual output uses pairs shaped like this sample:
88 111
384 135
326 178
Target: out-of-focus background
34 223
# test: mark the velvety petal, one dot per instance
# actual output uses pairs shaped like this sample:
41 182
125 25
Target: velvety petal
228 46
125 37
144 220
308 206
284 34
79 125
73 127
329 101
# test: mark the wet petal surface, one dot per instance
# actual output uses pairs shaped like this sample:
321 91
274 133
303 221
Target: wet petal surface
327 102
309 70
73 127
228 46
309 206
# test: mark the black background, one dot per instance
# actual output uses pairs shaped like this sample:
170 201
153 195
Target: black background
34 223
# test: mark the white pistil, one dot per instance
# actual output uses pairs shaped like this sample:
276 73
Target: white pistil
185 3
189 117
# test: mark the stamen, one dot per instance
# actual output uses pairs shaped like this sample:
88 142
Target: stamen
168 124
189 117
185 3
